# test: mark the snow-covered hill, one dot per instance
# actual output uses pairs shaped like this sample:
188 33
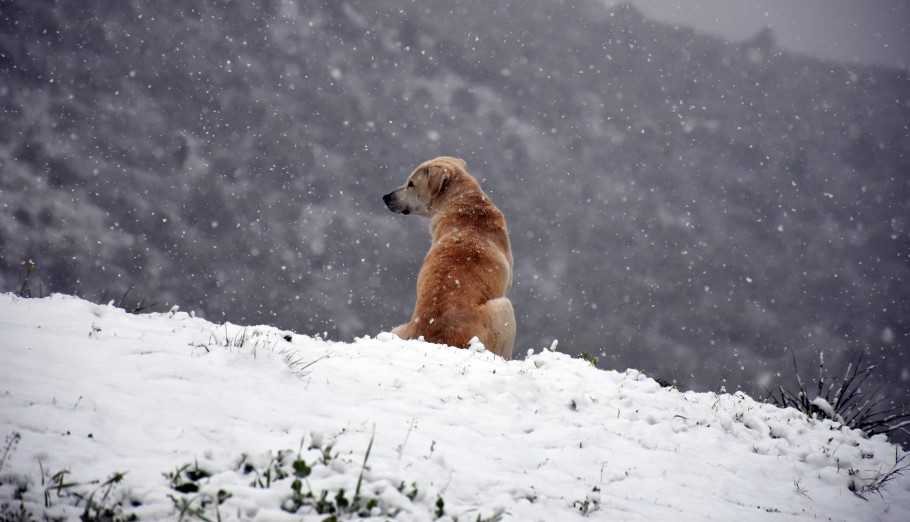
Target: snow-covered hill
106 413
667 192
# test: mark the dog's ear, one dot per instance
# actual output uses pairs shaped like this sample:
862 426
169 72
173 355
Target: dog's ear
461 163
439 177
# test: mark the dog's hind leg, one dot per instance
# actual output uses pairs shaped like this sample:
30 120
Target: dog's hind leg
499 322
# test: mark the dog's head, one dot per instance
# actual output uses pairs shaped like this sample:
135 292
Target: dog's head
425 187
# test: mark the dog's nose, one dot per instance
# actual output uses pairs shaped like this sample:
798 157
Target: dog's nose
387 198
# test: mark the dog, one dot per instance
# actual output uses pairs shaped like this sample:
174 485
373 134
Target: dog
466 274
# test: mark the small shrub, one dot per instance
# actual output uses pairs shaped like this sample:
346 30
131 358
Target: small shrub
257 339
142 306
26 279
843 399
186 480
27 268
291 472
875 480
194 498
9 446
11 514
95 509
585 356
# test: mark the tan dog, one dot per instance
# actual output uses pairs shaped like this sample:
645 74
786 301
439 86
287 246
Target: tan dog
466 274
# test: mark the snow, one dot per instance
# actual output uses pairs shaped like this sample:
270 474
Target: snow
824 406
173 402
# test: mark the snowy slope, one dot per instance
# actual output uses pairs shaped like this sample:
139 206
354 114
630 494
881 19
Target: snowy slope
179 403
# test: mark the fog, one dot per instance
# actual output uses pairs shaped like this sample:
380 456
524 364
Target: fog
845 31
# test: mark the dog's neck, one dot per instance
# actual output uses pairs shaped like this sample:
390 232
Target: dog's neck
465 204
457 194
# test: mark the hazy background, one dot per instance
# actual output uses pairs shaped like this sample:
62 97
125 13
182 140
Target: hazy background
847 31
696 205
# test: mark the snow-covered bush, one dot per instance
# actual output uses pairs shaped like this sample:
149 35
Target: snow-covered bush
843 399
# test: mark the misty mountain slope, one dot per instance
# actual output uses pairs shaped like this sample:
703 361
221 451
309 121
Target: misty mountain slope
677 203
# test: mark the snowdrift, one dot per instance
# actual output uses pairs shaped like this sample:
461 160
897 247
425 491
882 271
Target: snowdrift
168 416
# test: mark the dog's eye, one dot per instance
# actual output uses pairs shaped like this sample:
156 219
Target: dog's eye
410 184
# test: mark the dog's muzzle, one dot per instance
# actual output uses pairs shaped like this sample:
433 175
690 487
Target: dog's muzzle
393 204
